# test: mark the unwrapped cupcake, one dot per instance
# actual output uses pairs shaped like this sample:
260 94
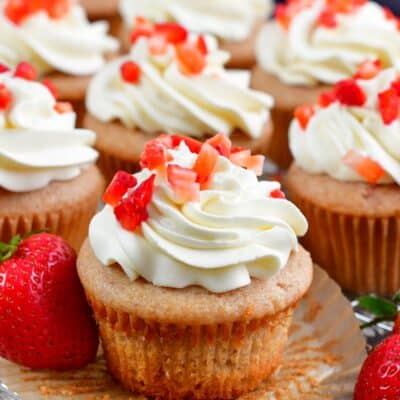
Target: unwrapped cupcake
193 271
235 23
58 40
47 175
346 178
175 82
314 43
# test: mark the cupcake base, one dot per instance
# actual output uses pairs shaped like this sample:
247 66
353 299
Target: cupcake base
62 208
190 343
354 230
287 98
100 9
120 147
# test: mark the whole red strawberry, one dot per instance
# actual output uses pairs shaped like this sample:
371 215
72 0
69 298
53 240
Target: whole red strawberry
45 321
379 378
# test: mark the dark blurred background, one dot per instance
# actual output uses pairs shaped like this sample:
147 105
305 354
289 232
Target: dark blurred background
393 4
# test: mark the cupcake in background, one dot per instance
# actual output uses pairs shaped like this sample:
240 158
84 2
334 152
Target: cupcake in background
346 178
58 40
171 82
193 271
47 175
235 23
103 10
312 44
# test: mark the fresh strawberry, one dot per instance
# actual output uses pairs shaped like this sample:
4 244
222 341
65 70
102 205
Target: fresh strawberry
396 328
63 107
183 183
50 86
221 143
26 71
277 194
368 69
202 45
327 19
130 72
303 114
379 378
349 93
191 60
131 211
154 154
3 68
389 105
325 99
205 164
120 184
6 97
45 321
172 32
193 144
367 168
142 28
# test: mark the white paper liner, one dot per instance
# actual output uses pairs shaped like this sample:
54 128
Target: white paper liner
322 360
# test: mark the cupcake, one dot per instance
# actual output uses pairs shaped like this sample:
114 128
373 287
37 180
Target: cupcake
58 40
171 82
313 44
48 180
193 271
235 23
105 10
345 179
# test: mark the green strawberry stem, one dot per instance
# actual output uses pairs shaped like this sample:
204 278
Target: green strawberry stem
383 309
7 250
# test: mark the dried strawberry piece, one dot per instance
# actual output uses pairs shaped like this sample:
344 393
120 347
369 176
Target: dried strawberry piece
201 44
63 107
325 99
240 157
396 86
130 72
191 60
237 149
282 16
256 164
277 194
172 32
366 167
143 194
183 183
193 144
327 19
154 155
389 105
6 97
120 184
345 6
58 8
368 69
349 93
3 68
26 71
158 45
303 114
142 28
205 165
50 86
221 143
17 10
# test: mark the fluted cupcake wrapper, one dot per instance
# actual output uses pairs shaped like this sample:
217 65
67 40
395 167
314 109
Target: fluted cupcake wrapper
203 362
361 253
62 208
109 165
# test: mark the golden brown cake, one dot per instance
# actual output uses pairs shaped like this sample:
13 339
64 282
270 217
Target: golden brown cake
346 180
193 271
310 46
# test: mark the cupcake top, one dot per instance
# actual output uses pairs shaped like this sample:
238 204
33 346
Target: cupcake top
353 133
323 41
230 20
38 139
173 81
196 215
52 35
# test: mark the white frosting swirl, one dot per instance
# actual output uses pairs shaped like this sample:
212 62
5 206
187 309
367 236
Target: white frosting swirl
227 19
216 100
309 54
70 44
38 144
337 129
235 232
